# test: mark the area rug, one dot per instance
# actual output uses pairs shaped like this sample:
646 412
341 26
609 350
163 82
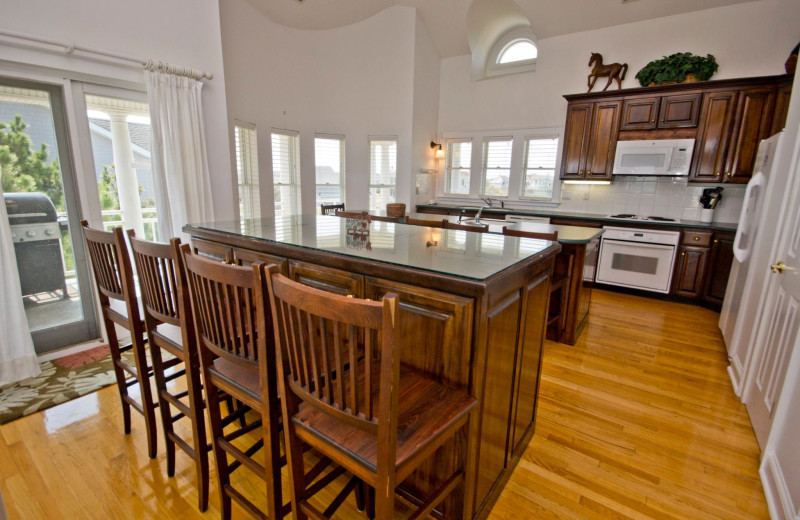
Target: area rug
61 380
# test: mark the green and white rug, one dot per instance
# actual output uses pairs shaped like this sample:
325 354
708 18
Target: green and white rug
61 380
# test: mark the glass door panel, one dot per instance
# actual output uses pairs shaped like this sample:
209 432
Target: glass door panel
43 212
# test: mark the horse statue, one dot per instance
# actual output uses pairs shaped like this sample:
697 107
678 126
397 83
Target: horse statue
612 70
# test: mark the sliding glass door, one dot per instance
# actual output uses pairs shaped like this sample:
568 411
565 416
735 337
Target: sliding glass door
39 191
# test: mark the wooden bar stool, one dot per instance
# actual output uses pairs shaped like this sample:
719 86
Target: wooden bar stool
229 309
330 209
166 305
360 408
113 277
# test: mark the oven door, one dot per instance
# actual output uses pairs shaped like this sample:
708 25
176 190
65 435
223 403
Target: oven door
636 265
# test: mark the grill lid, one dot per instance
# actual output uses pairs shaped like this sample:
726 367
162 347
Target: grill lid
29 208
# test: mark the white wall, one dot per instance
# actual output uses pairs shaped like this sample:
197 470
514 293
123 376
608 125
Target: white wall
749 39
356 81
182 32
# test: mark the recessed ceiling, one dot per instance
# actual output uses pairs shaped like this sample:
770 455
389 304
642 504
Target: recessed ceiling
446 19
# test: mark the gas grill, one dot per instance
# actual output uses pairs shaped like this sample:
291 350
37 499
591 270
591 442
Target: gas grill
36 233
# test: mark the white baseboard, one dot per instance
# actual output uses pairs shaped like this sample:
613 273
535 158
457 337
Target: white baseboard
779 500
74 349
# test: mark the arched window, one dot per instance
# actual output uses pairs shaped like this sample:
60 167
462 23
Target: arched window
518 50
513 52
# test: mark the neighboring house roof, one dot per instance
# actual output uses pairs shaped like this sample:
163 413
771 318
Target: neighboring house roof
140 134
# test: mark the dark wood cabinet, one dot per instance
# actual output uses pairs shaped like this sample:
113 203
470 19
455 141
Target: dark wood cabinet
651 112
590 140
753 123
713 137
719 268
727 119
689 272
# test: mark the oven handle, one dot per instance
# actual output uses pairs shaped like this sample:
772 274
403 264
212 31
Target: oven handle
645 245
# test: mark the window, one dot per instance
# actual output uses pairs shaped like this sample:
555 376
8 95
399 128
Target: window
539 167
457 166
514 52
382 172
247 170
518 50
496 166
329 163
286 172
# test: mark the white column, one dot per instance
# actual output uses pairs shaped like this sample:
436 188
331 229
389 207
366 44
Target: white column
127 185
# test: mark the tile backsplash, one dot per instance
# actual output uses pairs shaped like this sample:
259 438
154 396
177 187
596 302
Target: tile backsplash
671 197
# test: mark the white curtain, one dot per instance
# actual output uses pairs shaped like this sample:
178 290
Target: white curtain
17 356
180 164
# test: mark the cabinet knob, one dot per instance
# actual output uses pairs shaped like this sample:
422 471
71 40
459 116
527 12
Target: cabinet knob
716 174
728 174
683 254
589 172
716 241
696 237
652 120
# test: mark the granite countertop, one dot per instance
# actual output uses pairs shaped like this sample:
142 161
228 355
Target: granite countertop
596 217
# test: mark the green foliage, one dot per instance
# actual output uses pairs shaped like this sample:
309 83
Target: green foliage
24 169
675 67
109 196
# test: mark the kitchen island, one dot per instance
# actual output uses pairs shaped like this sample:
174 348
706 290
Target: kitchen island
473 316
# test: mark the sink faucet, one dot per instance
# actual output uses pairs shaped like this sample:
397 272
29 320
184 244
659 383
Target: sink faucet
488 202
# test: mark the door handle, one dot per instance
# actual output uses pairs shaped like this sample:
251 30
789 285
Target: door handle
779 267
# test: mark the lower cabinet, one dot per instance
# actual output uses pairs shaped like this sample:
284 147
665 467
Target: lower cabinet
719 268
690 268
327 278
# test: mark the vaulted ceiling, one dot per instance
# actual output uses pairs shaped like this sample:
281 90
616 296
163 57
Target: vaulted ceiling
446 19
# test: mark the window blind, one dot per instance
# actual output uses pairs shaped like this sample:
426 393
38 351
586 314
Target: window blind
458 166
496 166
247 170
285 172
540 167
329 165
382 172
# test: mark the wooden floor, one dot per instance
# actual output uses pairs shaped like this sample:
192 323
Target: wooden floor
636 421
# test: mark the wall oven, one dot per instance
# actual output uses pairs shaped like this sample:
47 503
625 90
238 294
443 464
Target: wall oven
637 258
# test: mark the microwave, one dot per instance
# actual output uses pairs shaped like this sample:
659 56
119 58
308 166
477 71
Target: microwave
667 157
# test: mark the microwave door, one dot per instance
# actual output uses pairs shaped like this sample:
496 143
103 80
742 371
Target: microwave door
645 161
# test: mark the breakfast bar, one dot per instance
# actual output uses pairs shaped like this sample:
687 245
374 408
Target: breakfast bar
473 316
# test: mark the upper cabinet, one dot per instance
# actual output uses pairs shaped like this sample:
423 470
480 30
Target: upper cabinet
727 119
651 112
590 140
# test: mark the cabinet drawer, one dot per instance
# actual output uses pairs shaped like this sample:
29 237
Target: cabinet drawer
697 238
327 278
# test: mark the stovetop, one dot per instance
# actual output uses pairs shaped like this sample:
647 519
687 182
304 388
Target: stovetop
630 217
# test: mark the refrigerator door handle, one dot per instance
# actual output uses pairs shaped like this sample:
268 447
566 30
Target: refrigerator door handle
746 220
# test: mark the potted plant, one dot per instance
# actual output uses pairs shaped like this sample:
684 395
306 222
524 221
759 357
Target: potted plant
677 68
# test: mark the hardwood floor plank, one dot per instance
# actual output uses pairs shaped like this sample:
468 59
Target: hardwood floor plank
636 421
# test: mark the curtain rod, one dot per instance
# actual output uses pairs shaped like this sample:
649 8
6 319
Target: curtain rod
149 64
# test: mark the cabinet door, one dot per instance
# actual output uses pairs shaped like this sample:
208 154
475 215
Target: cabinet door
528 359
781 108
754 120
713 137
679 111
327 279
603 140
719 268
576 139
213 250
640 113
689 272
248 257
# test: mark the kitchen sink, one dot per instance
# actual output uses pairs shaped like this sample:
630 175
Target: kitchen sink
487 221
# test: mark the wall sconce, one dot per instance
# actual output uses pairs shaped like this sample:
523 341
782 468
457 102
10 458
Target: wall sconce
439 151
434 240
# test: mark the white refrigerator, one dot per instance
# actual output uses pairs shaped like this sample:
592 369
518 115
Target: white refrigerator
745 284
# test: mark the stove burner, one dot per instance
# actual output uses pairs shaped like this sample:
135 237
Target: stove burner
661 219
624 215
